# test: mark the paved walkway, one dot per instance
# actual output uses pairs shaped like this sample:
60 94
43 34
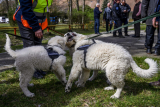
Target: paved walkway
134 45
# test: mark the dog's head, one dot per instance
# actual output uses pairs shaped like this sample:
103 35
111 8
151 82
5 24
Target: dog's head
71 38
57 40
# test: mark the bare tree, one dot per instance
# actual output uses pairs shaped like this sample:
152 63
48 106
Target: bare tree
83 9
77 4
70 11
7 5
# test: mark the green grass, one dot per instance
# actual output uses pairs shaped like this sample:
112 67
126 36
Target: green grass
50 92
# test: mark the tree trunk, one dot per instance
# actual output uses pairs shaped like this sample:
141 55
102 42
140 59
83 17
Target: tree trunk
77 3
7 6
83 9
16 1
70 12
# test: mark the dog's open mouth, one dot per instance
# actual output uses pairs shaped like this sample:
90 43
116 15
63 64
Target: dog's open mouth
70 38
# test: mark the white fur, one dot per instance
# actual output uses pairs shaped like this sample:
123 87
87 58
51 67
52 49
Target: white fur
36 57
112 58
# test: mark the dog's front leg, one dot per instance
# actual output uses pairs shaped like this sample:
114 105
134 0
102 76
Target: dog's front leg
73 76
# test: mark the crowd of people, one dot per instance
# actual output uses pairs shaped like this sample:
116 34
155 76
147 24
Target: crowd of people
119 14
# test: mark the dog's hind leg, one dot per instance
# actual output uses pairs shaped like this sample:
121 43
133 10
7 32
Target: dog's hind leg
76 69
84 78
94 75
26 76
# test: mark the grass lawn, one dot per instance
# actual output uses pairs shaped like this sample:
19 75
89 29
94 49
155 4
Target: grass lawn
51 93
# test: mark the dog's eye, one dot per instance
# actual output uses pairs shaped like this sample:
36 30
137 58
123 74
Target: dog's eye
74 34
68 34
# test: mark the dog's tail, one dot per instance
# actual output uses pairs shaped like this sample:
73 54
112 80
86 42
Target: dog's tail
153 68
8 47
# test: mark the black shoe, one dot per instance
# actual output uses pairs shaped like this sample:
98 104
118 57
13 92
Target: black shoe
126 35
149 51
37 75
136 36
42 72
99 33
96 33
157 52
115 36
121 36
156 83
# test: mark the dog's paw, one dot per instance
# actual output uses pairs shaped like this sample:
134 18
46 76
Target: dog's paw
30 95
80 85
114 97
67 90
109 88
30 85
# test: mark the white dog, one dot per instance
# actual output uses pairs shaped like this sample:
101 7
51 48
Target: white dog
112 58
29 59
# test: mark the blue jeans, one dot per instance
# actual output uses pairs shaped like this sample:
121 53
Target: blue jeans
96 25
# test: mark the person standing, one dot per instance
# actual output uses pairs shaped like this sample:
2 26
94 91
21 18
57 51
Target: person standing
117 18
31 19
147 9
136 16
125 9
97 13
107 16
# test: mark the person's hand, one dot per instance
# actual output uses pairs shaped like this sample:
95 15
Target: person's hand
154 23
124 11
100 10
39 33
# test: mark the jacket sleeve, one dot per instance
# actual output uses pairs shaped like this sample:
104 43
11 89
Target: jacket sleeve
104 15
144 8
26 7
128 8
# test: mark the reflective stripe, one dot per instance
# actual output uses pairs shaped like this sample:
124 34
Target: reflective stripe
39 14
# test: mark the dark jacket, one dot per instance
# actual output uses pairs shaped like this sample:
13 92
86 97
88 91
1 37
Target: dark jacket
96 13
125 7
135 11
26 11
158 9
147 9
116 12
107 13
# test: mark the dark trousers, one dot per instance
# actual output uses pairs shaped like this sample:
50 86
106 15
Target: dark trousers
28 33
137 28
124 22
108 22
149 36
96 25
117 23
157 46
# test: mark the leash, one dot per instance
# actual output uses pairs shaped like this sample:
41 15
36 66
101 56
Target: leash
19 36
143 19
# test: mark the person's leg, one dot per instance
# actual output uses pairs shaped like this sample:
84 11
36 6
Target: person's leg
111 24
95 26
149 38
126 28
157 46
119 24
115 26
137 29
107 21
98 24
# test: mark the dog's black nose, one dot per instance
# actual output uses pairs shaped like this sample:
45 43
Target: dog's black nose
68 34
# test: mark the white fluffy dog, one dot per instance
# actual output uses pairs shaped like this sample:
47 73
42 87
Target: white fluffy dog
70 43
29 59
112 58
